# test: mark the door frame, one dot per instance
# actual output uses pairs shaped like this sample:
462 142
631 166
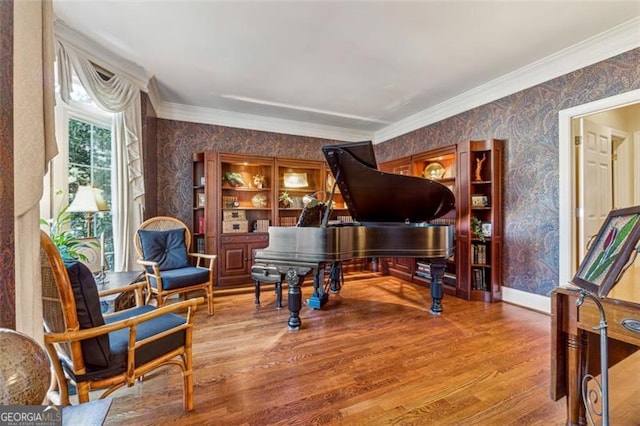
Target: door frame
567 233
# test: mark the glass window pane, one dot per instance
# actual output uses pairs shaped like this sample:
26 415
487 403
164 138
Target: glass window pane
90 164
102 180
79 142
102 147
78 176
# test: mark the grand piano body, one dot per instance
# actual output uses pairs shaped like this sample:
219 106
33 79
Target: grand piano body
391 214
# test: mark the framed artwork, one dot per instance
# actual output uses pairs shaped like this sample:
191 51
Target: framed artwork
201 199
486 229
479 201
613 250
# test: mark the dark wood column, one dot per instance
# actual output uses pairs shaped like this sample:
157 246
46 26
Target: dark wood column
7 237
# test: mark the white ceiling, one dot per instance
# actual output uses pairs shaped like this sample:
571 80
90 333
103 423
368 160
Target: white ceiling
356 68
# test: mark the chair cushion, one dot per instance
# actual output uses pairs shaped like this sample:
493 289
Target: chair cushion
180 278
119 341
168 248
95 351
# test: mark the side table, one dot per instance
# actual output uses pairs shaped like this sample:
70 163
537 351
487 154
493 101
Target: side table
113 281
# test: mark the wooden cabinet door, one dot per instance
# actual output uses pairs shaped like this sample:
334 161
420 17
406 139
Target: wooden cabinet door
403 267
233 259
251 249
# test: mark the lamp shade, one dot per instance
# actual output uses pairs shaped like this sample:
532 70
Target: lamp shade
88 199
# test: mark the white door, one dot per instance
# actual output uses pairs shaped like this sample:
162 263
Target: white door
623 180
595 182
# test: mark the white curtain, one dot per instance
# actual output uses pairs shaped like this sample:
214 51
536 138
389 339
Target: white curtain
34 146
118 95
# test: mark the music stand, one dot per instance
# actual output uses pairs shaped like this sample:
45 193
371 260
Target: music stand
614 249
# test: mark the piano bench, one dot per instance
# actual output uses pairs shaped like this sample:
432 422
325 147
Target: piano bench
267 274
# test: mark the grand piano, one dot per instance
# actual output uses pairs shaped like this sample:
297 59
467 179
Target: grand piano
391 216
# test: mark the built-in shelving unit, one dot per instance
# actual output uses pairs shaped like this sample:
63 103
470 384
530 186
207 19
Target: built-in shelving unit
473 172
241 196
246 200
198 240
295 179
479 241
439 165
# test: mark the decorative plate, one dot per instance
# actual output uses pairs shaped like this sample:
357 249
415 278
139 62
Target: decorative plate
434 171
259 201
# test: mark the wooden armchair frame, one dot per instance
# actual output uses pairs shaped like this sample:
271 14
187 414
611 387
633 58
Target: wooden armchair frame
153 272
63 335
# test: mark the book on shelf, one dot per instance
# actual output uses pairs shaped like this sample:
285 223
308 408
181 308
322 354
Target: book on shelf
449 278
422 274
288 221
201 225
262 225
478 279
479 254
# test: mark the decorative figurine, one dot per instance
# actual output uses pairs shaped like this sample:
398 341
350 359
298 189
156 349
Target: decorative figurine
479 162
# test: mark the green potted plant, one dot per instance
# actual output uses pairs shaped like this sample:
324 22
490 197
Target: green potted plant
66 242
234 179
476 228
285 199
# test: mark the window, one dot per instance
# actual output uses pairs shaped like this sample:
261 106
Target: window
89 147
85 142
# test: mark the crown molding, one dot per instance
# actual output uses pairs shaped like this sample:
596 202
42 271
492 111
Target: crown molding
154 94
174 111
610 43
100 55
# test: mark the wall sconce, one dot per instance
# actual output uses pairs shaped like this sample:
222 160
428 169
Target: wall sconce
295 180
88 200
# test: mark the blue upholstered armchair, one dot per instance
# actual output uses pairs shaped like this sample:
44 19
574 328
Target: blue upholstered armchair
96 351
161 243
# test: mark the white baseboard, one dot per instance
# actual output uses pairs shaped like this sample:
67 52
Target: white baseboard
532 301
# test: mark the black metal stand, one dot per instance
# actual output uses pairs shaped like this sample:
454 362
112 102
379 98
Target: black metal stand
592 397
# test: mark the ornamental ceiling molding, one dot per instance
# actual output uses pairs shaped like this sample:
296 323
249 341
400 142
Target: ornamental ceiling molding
610 43
615 41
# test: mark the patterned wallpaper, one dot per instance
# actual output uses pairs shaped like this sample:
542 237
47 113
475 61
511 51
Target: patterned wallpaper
178 140
7 242
149 151
526 120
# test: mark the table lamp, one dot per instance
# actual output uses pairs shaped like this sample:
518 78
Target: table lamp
88 200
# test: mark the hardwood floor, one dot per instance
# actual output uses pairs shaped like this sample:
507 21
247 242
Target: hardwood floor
373 355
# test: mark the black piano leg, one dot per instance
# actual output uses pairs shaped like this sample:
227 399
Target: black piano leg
295 299
257 292
437 286
279 295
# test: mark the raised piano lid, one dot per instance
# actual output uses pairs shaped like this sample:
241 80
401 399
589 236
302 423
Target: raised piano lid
372 195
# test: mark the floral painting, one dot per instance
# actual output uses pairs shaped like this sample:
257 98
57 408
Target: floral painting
611 251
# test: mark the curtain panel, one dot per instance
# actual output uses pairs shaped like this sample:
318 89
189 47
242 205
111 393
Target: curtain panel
119 95
34 146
